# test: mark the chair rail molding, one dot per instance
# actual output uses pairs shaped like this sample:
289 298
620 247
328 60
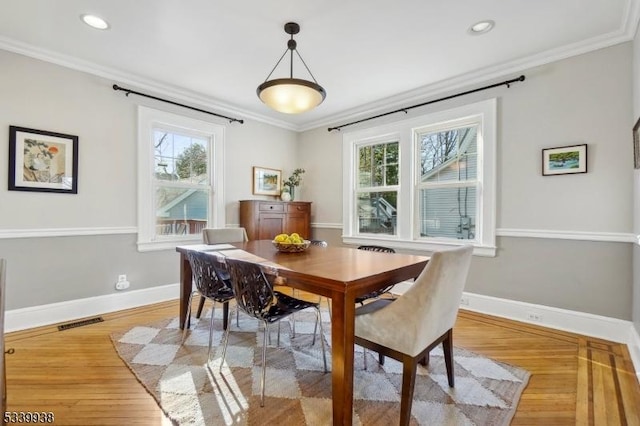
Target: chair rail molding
65 232
613 237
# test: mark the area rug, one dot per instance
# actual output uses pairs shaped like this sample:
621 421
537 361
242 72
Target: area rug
193 392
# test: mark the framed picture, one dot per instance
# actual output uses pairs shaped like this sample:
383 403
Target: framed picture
564 160
42 161
636 145
266 181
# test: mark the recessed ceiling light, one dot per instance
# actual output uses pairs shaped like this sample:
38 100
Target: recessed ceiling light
481 27
94 21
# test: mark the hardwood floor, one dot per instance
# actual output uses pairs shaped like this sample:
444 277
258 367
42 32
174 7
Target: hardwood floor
77 375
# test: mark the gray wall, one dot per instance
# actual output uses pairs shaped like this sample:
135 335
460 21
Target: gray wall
584 99
45 96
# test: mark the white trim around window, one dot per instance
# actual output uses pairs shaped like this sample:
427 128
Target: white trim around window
148 119
407 237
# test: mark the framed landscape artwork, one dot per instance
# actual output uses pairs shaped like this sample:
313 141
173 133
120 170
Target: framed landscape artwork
42 161
564 160
266 181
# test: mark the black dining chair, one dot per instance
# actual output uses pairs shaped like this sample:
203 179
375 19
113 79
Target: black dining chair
255 297
209 286
377 293
221 236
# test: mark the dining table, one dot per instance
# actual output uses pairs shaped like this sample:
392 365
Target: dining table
336 272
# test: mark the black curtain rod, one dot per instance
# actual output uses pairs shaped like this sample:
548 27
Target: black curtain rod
129 91
506 82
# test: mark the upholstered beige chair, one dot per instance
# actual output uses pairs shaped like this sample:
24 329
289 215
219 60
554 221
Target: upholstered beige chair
409 327
221 236
224 235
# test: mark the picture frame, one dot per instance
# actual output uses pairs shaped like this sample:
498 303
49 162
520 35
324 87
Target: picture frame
564 160
42 161
636 145
266 181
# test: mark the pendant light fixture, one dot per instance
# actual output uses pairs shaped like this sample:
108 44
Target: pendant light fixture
291 95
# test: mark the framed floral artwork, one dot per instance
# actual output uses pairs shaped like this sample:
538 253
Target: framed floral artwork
42 161
267 181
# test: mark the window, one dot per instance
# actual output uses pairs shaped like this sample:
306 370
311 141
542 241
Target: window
445 196
180 179
377 188
447 183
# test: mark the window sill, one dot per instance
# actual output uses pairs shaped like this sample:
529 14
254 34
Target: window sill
430 246
144 246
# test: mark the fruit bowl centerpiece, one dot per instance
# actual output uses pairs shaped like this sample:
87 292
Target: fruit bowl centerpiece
290 243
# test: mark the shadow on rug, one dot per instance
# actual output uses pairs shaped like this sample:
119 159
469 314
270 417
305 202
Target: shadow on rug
298 392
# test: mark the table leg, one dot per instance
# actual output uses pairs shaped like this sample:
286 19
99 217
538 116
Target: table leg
342 332
185 288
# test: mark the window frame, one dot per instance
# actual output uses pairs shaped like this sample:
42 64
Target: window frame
408 231
148 120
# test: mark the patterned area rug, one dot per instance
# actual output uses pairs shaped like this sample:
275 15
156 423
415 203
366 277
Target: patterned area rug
298 392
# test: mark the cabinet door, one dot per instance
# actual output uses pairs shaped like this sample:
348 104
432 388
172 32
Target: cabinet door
271 224
298 222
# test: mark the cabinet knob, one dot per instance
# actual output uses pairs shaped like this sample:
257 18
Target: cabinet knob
271 207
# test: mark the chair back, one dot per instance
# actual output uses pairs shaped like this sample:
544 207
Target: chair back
224 235
319 243
253 292
428 309
206 270
377 248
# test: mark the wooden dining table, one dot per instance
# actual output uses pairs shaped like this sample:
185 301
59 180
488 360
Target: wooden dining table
339 273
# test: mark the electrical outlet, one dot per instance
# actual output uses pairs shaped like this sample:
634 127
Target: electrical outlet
464 301
122 283
532 316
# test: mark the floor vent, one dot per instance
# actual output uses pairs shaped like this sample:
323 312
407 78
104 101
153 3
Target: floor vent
79 323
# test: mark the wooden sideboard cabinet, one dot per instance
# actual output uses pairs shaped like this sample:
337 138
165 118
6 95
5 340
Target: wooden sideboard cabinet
263 220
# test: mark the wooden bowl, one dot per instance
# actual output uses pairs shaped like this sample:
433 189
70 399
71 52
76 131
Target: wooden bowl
291 248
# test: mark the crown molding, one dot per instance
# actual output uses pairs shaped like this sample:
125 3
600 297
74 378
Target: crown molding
485 75
628 27
139 82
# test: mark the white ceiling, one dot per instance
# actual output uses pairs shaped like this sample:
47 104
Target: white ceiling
369 55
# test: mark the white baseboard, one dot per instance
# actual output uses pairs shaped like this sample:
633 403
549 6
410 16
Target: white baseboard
576 322
602 327
36 316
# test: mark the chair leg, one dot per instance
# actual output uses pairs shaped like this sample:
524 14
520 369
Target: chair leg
324 356
264 363
364 357
447 348
200 306
224 346
211 331
380 359
186 319
278 339
409 366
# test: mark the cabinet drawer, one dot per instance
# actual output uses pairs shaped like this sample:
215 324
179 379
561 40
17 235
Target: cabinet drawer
298 208
272 207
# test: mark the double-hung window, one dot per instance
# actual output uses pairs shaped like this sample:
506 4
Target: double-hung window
180 179
425 183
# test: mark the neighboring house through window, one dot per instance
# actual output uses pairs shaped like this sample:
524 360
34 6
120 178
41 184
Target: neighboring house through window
424 183
180 178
